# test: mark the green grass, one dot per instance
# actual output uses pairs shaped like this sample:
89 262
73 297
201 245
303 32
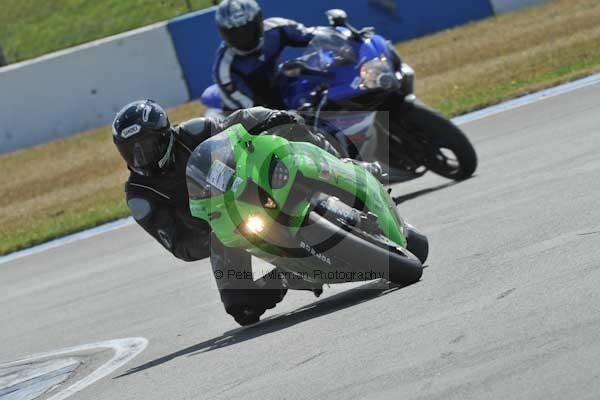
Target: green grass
494 94
30 28
44 196
64 186
490 61
64 223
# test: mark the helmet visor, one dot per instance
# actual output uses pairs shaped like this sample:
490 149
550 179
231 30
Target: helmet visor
244 38
145 152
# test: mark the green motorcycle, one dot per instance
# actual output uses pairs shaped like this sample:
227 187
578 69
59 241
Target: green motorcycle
317 218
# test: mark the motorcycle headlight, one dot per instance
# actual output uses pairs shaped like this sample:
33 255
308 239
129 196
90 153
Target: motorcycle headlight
378 74
254 224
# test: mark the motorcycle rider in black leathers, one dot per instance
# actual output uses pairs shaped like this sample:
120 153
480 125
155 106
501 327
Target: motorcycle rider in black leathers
247 59
157 195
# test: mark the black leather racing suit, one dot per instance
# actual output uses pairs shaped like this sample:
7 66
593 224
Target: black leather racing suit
160 204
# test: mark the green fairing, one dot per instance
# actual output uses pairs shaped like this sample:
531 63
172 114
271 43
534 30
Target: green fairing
253 156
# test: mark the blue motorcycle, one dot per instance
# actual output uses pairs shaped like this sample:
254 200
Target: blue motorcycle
354 85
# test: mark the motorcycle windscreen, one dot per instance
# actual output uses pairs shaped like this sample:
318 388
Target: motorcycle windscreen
329 48
211 168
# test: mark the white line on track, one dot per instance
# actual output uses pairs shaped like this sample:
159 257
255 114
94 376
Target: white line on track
88 233
528 99
125 350
463 119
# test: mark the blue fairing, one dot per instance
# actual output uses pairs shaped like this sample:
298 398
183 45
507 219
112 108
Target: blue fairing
343 80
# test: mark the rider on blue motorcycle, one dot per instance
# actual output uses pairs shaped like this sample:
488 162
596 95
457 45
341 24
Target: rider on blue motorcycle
247 59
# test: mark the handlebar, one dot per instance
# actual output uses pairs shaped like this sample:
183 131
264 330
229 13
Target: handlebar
339 18
295 68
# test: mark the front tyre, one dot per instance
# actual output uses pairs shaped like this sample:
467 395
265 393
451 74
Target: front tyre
417 243
442 146
352 249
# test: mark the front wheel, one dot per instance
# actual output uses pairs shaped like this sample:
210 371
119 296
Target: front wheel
433 140
417 243
347 248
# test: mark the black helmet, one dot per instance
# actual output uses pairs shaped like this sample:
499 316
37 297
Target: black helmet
142 133
240 24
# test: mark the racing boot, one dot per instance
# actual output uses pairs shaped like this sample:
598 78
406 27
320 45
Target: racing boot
248 304
246 307
243 298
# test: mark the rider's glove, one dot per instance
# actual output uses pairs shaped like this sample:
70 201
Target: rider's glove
278 121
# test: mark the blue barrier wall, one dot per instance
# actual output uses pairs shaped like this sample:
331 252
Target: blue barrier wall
176 62
196 40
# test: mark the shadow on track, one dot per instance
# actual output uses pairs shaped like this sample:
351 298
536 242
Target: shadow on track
278 322
422 192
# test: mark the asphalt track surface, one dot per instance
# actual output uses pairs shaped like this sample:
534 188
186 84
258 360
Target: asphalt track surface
508 308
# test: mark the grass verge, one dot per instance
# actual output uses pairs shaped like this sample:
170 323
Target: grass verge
77 183
64 186
518 53
31 28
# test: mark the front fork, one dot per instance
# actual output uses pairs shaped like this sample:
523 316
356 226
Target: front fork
408 82
393 139
394 152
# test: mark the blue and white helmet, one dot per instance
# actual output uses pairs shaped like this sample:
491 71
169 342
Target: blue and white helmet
240 24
